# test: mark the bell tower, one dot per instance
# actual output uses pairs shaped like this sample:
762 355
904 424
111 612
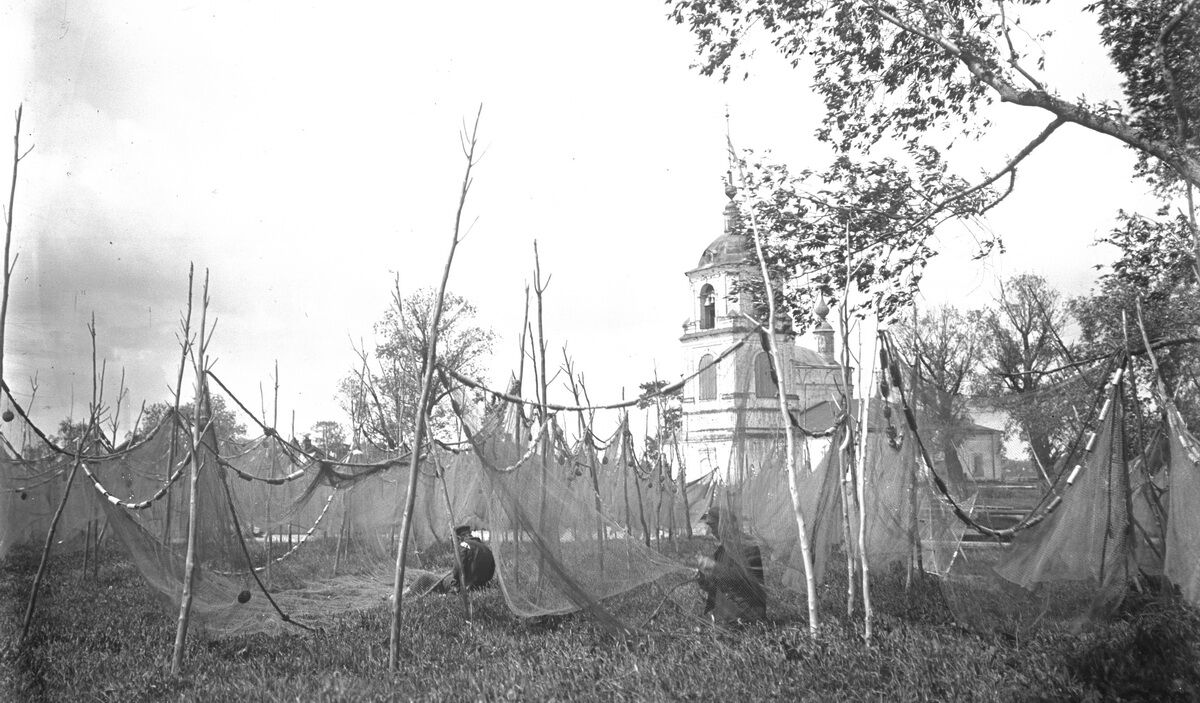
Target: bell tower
736 395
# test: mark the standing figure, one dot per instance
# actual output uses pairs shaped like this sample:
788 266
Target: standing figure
732 578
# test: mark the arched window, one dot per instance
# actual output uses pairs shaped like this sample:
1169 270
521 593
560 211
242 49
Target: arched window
765 385
708 378
708 307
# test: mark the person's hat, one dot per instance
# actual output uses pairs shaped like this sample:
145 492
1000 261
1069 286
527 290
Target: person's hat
462 531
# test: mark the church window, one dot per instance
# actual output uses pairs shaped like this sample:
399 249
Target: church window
765 384
708 378
708 307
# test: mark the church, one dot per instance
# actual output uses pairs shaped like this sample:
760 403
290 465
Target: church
737 396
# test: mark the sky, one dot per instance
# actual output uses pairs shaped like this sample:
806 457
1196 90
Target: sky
306 155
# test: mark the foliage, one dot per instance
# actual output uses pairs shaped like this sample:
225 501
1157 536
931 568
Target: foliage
669 421
121 651
330 438
944 347
1024 333
857 227
1157 255
69 433
1108 322
381 402
226 421
910 71
1156 48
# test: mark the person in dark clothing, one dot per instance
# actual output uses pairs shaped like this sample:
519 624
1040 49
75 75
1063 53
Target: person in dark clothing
732 579
478 564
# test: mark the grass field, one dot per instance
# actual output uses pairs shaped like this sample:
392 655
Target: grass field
108 639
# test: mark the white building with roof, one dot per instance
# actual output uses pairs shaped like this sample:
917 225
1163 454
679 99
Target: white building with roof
737 395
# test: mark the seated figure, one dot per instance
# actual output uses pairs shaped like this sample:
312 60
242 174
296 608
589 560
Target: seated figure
478 564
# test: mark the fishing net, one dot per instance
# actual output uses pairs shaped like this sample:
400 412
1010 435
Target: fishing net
281 535
285 535
1022 558
1182 559
34 473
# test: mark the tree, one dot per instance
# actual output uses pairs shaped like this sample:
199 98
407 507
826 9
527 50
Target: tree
1025 349
226 423
944 348
383 401
906 70
330 438
1156 270
669 421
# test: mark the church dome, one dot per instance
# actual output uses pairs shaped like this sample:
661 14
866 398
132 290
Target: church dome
727 249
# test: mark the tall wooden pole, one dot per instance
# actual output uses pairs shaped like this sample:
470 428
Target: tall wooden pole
9 262
426 389
185 343
62 504
93 425
198 410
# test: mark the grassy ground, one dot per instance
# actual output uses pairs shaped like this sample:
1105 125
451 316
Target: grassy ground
107 639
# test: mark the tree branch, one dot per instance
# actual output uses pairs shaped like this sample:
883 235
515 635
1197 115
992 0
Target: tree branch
1186 165
1012 52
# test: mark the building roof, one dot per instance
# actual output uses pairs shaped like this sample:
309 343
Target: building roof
822 415
727 249
803 356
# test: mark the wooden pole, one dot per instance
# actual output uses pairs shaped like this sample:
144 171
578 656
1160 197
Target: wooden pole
198 419
99 537
337 550
637 485
585 439
539 289
426 389
782 376
62 504
849 503
864 429
93 425
10 261
462 573
185 344
87 543
274 465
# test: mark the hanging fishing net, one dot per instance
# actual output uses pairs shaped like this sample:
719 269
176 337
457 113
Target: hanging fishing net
34 474
1182 558
285 536
1012 554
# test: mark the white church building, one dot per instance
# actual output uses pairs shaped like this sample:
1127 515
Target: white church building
738 394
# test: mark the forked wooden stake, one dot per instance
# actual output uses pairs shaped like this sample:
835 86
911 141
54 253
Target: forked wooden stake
198 408
469 144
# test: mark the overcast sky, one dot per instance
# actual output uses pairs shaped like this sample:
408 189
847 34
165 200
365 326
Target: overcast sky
304 153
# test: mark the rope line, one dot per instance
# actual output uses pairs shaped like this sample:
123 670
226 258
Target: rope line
110 456
665 390
246 552
30 486
140 505
295 548
1031 518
